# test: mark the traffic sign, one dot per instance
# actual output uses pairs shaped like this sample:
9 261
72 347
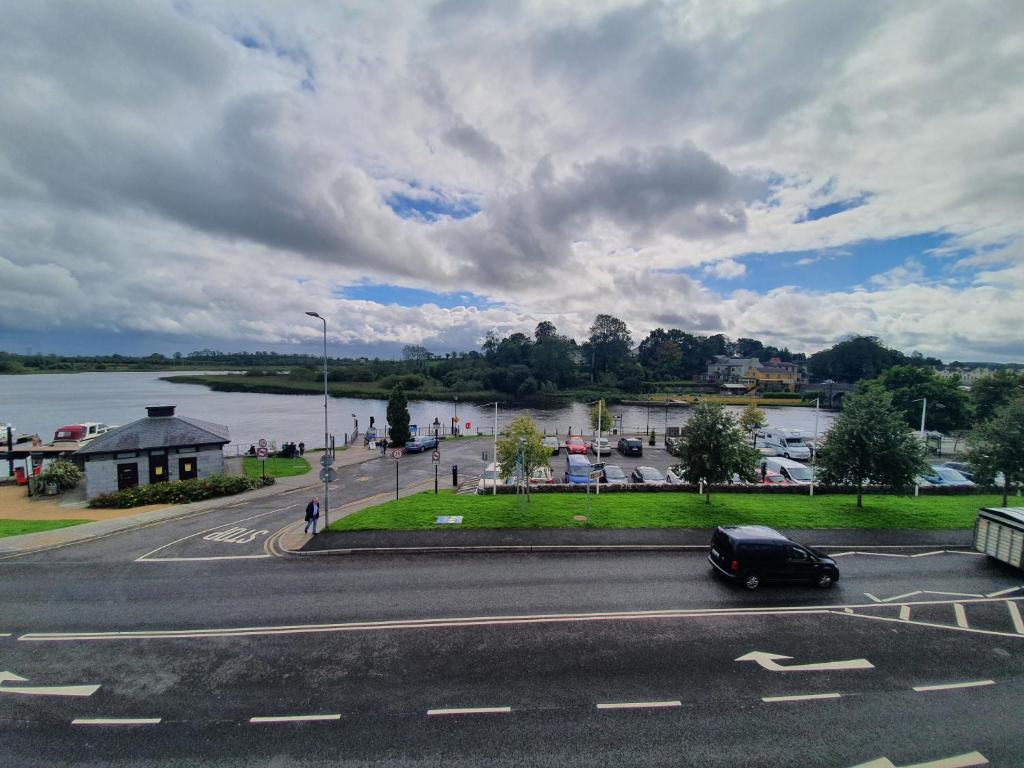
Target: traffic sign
436 456
262 443
396 454
261 454
469 425
328 475
326 460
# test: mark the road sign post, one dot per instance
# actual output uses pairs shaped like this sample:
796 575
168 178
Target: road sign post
396 455
436 458
261 457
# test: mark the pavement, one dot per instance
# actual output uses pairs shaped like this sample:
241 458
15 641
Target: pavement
197 640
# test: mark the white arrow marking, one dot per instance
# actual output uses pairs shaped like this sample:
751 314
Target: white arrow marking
52 690
968 760
768 661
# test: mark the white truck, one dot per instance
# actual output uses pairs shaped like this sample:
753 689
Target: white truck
789 443
999 533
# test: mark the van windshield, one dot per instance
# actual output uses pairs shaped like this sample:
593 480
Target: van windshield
799 473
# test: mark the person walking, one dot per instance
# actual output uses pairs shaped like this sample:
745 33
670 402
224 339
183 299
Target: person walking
383 445
302 449
312 515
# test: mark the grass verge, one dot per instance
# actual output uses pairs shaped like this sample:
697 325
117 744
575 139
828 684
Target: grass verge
669 510
18 527
276 467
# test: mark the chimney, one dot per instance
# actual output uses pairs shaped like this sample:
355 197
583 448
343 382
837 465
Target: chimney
154 411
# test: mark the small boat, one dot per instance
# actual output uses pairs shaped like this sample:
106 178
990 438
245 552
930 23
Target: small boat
81 433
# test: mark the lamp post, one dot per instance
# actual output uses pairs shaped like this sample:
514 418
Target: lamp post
814 445
924 441
327 439
455 418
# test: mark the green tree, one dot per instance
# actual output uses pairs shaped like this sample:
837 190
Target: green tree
545 330
991 392
997 445
398 416
609 343
862 357
870 443
553 359
606 418
948 406
522 439
751 420
714 448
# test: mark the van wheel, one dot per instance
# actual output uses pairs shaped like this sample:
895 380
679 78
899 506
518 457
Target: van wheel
824 581
785 455
751 581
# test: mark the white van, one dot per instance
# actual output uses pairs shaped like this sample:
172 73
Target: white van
789 443
794 471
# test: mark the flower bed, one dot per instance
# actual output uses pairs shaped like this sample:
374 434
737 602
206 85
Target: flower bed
180 492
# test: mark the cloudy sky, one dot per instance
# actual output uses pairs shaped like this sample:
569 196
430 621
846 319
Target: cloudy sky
183 174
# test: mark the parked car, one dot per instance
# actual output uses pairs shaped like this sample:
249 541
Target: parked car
489 478
938 475
577 469
674 475
754 554
553 444
773 478
600 447
794 471
672 443
630 446
647 476
421 443
613 475
542 476
964 469
575 445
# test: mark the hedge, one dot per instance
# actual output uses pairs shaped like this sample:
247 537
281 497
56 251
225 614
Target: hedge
819 490
180 492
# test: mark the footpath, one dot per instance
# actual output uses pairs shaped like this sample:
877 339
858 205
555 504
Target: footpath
128 519
598 540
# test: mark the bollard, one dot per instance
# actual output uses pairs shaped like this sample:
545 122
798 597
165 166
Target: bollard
455 475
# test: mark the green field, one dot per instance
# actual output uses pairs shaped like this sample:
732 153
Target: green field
669 510
18 527
275 467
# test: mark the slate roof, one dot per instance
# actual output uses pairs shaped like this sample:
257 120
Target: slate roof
157 432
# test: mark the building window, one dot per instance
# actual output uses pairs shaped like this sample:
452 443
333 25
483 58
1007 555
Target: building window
187 469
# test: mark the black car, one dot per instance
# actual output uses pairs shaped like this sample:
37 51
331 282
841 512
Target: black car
613 475
755 554
630 446
647 475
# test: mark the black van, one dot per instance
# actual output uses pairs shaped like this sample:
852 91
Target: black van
753 554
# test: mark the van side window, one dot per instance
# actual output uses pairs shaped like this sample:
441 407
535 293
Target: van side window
795 553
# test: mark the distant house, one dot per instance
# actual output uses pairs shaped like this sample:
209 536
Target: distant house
161 447
753 374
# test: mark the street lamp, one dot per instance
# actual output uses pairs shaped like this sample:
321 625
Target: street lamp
455 418
327 489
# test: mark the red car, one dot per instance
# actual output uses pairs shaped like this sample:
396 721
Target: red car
576 445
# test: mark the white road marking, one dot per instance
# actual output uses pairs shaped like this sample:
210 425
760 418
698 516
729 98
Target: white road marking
143 558
926 554
871 597
115 721
934 625
904 613
475 621
640 705
842 554
42 690
5 634
951 594
951 686
470 711
199 559
1002 592
900 597
769 661
803 697
1018 623
293 718
964 552
969 760
961 617
880 554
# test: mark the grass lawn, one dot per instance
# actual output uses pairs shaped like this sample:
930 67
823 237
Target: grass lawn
275 467
670 510
18 527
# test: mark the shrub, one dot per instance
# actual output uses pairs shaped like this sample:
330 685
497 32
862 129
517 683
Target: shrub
64 474
180 492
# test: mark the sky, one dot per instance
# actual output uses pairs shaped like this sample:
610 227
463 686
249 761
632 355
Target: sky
183 175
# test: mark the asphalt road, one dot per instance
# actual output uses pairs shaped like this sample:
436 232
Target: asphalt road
192 629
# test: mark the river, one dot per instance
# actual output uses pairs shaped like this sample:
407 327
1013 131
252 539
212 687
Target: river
42 403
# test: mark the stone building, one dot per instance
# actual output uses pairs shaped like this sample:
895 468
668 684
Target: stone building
159 448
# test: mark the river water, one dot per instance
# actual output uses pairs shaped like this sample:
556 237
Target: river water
42 403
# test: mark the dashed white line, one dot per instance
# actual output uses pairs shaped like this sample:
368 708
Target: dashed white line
961 616
115 721
195 559
639 704
951 686
293 718
1018 623
469 711
802 697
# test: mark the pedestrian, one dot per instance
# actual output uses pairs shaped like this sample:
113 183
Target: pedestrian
383 445
312 515
252 450
302 448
